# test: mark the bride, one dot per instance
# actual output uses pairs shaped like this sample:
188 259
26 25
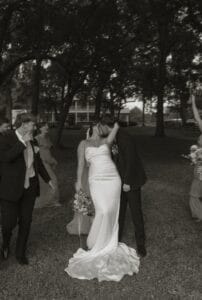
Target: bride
106 259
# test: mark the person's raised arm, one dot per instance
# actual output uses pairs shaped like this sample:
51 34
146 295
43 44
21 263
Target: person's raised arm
112 134
80 165
196 113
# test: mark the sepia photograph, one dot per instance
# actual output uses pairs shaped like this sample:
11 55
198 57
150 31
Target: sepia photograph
100 149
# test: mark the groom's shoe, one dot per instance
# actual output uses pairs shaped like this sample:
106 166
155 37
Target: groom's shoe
5 252
141 250
22 260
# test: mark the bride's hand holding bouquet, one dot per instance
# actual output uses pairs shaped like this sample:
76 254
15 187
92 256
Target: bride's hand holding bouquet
82 203
78 186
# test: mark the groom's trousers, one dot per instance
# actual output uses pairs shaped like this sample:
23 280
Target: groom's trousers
18 212
133 198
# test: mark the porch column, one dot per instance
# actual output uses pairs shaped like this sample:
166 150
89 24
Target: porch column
87 111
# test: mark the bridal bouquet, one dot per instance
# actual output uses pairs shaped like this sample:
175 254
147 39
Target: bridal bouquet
195 156
115 150
83 204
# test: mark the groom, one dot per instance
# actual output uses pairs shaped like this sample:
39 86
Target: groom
133 177
4 127
19 186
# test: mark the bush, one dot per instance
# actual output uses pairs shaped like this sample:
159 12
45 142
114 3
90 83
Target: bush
173 123
133 123
123 123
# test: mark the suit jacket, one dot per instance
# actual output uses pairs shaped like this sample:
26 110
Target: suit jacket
0 162
129 162
13 167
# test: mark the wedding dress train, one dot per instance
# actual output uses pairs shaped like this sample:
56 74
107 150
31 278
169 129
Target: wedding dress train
106 259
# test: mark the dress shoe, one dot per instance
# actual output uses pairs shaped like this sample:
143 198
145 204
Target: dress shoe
141 250
22 260
5 253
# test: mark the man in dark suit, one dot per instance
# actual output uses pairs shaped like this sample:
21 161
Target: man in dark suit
19 185
4 127
133 177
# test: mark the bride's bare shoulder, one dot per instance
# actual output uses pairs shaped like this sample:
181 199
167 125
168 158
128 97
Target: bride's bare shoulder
82 145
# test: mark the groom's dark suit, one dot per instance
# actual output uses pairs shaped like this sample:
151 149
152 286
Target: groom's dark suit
17 202
132 173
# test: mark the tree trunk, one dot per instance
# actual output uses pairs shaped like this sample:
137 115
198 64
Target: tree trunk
143 111
99 97
112 110
98 103
63 117
62 97
183 110
9 99
55 111
36 87
161 80
159 116
10 108
118 114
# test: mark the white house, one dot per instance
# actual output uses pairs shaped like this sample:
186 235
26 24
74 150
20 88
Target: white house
84 113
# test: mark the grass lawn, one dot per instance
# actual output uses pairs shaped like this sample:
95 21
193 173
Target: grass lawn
171 270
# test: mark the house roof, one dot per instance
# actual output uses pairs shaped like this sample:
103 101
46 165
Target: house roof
125 110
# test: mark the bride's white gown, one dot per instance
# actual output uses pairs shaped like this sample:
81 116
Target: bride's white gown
106 259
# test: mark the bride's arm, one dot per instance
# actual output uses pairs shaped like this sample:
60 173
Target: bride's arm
112 134
80 165
196 113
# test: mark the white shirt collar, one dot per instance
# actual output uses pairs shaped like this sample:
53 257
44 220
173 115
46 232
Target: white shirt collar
19 136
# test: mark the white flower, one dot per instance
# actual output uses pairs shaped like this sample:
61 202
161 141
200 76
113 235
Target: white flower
83 204
193 148
36 149
115 149
195 154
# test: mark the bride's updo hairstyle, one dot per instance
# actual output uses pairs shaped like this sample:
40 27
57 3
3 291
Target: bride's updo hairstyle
103 131
90 129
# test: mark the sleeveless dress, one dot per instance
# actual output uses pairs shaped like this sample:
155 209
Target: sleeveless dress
106 259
